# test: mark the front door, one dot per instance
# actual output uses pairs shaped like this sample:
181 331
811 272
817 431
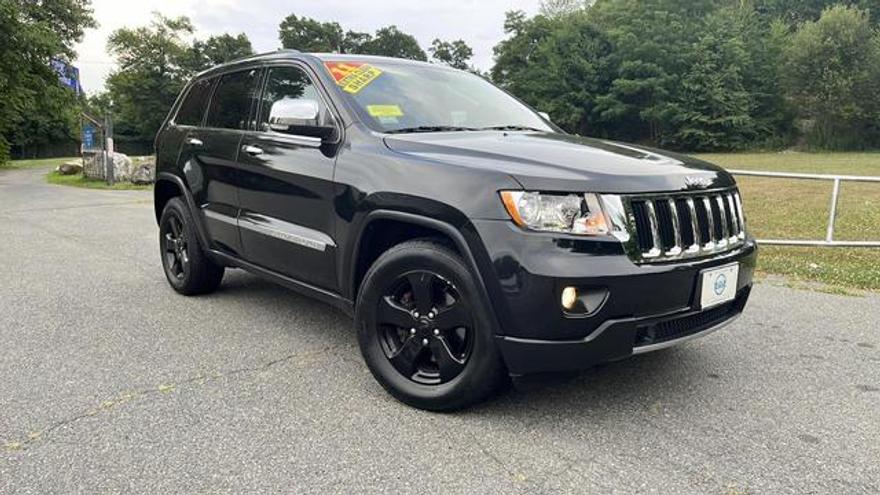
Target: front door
286 189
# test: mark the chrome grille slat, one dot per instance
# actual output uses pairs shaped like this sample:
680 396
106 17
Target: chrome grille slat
710 243
655 232
660 223
676 228
695 248
742 217
725 229
734 215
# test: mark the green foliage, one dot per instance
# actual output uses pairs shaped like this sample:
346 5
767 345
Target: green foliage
218 50
700 74
832 73
452 53
34 106
310 35
392 42
155 62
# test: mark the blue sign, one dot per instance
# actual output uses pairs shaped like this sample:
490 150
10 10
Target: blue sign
89 137
68 75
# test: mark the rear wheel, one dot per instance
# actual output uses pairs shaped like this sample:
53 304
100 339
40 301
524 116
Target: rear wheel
423 330
187 267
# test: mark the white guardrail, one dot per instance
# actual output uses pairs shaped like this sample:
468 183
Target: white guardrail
832 214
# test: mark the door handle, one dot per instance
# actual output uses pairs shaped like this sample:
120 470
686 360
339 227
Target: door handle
194 142
252 150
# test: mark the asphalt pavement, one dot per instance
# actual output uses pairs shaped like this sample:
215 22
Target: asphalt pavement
112 383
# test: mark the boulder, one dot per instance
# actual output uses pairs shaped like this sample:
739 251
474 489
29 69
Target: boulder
122 167
144 171
69 168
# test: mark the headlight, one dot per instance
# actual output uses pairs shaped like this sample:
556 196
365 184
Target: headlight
568 213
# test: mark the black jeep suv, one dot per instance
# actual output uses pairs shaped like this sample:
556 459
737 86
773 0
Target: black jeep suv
468 236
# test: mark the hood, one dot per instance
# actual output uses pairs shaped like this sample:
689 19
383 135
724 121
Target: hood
560 162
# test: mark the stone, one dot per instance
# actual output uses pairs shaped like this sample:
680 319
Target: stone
69 168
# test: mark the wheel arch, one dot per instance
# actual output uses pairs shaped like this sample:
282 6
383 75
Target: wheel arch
170 186
374 238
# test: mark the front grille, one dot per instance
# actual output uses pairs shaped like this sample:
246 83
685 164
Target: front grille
677 328
686 225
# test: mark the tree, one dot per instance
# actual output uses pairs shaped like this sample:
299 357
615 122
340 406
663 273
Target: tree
154 64
558 65
33 32
217 50
557 8
392 42
309 35
832 74
713 109
455 54
796 12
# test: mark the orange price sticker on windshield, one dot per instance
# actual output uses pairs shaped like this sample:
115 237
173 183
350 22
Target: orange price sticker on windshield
352 76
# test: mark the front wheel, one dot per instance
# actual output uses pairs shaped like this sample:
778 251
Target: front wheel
423 330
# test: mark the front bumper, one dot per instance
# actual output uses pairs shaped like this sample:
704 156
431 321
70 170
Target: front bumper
616 339
646 307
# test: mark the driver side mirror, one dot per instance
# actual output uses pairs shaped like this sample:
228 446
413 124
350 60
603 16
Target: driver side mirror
545 116
301 118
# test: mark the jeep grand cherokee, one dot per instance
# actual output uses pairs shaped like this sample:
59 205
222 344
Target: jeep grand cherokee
469 237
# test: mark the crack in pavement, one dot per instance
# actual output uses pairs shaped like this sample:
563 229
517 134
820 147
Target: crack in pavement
127 397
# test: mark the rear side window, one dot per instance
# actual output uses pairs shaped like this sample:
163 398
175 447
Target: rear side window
193 108
231 104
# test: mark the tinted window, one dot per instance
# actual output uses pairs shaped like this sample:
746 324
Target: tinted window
287 83
231 104
193 107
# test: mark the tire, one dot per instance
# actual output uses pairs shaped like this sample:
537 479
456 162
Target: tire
438 362
187 267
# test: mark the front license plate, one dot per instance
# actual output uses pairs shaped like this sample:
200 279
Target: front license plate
718 285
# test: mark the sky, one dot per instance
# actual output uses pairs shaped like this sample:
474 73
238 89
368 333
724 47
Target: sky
478 22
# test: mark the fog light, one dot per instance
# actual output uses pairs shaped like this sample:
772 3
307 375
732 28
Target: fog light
569 298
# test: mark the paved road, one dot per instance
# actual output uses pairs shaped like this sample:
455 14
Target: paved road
110 382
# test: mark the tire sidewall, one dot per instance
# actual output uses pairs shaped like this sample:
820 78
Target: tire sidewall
176 208
483 363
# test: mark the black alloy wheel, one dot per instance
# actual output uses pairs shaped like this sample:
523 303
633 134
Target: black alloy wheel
426 328
176 255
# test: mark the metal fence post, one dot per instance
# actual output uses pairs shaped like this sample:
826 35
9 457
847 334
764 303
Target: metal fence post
832 215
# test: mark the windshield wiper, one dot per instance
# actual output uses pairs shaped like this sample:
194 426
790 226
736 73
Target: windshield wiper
430 128
511 128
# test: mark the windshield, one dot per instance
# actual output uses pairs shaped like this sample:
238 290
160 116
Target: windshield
417 98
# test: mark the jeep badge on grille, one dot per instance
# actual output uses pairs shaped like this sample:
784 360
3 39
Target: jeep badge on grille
693 182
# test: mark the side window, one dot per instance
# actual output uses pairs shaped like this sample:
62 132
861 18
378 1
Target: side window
288 83
193 107
231 104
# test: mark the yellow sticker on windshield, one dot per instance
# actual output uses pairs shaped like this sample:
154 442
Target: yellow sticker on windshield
352 77
380 111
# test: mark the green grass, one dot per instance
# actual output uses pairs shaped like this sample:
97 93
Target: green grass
39 163
798 209
80 181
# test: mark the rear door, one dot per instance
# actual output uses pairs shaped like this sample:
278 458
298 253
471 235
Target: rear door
287 220
209 156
